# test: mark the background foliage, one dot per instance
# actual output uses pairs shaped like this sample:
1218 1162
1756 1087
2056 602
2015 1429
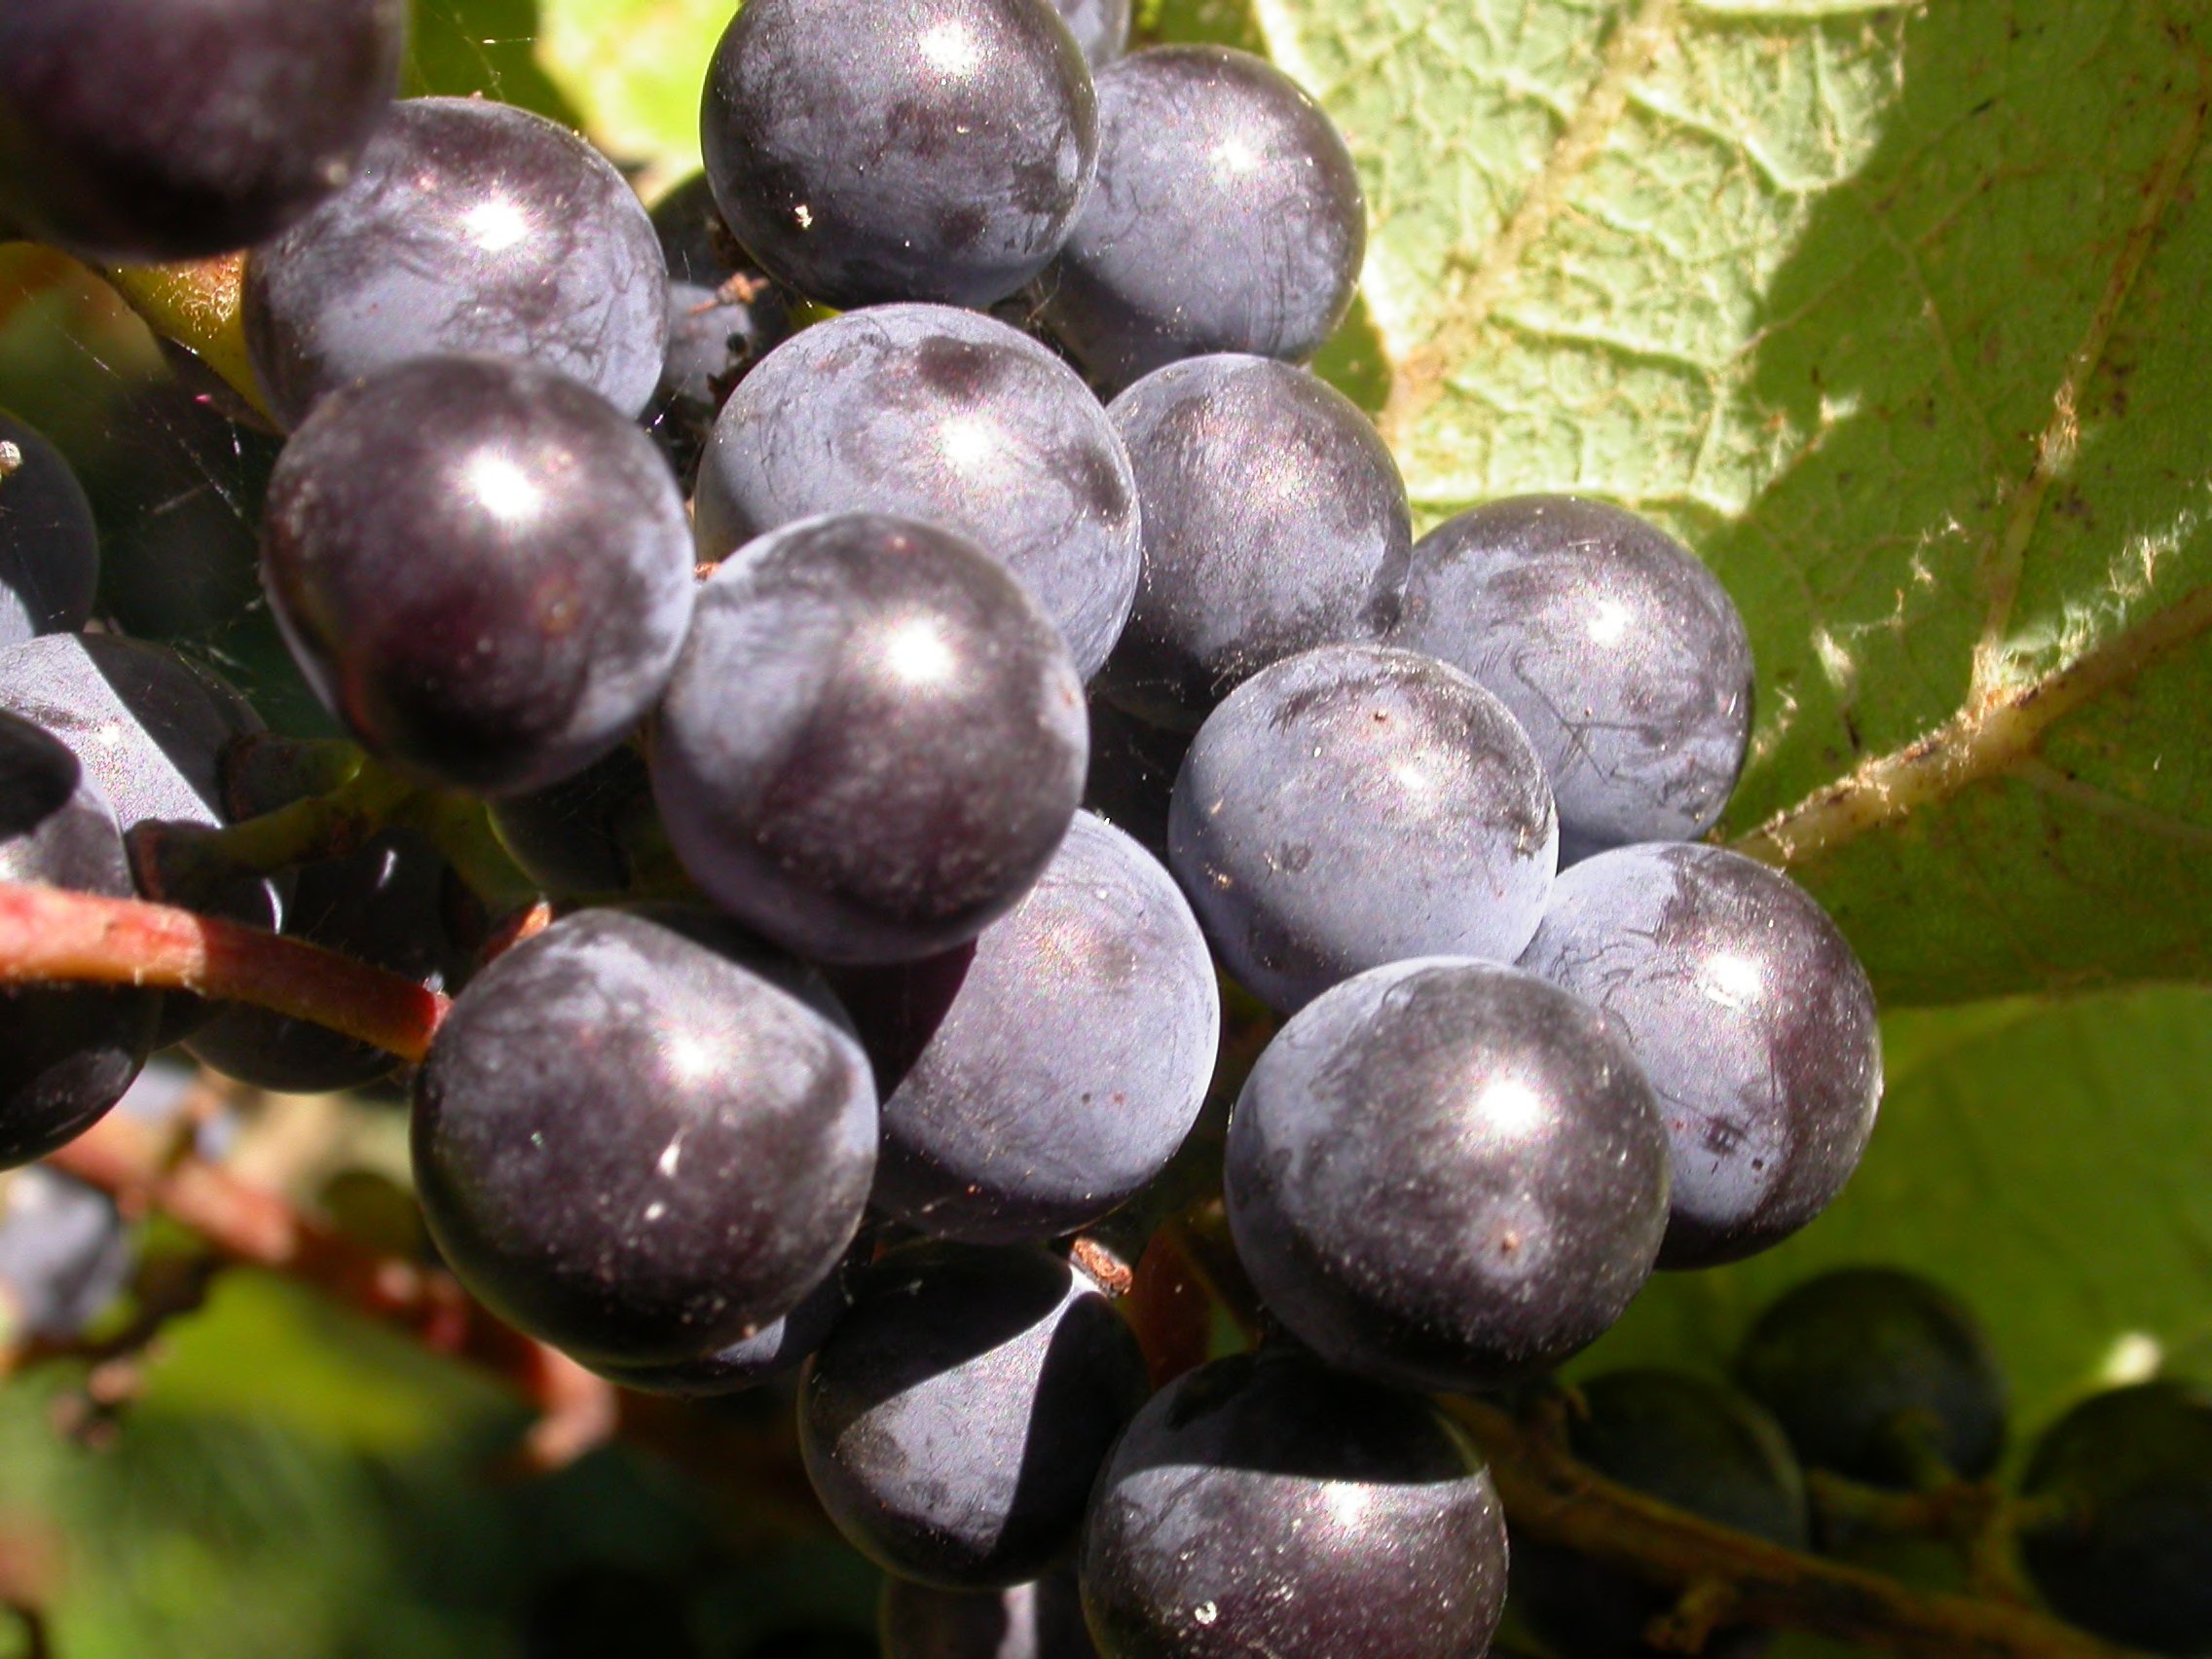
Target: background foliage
1894 309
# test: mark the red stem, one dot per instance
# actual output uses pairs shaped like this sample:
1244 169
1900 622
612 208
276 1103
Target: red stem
48 934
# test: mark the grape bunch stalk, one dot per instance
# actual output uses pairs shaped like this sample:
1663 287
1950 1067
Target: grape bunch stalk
908 783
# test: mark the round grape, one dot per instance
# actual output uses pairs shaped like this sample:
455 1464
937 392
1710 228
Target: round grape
1041 1077
1041 1620
1274 521
956 1416
1616 650
945 415
1750 1015
1101 28
1447 1176
471 227
481 567
49 551
162 130
640 1137
1227 217
1878 1375
933 151
1264 1506
1354 806
873 741
780 1346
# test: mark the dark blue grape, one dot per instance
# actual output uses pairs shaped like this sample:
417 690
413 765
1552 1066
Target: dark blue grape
1447 1176
1616 650
778 1348
1264 1506
2121 1539
68 1052
1879 1376
1041 1620
1227 217
471 227
65 1255
956 1416
1750 1015
1274 521
383 905
1041 1077
640 1137
932 151
874 742
724 314
50 550
1101 28
944 416
156 129
577 835
1354 806
482 567
1689 1442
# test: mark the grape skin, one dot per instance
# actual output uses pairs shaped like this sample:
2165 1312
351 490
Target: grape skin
640 1136
50 550
956 1416
1227 217
1750 1015
1274 521
163 129
470 227
932 151
474 605
68 1052
1264 1506
1446 1175
944 416
1616 650
780 1346
873 741
1041 1620
1101 28
1354 806
65 1255
1040 1078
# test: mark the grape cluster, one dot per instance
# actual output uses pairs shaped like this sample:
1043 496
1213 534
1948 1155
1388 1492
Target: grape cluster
851 1015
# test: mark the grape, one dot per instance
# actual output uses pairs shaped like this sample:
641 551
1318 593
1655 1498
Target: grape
1447 1176
576 835
470 227
1227 217
1750 1015
1264 1506
1274 521
157 130
873 741
68 1052
66 1254
932 151
49 551
1354 806
724 317
383 905
1686 1441
1040 1078
956 1416
2123 1545
638 1135
778 1346
1101 28
149 729
1879 1376
482 567
944 416
1613 647
1043 1620
1132 773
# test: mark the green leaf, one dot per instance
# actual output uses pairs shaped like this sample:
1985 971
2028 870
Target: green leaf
634 69
1893 311
2045 1162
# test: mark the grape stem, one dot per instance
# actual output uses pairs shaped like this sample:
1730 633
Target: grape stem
49 935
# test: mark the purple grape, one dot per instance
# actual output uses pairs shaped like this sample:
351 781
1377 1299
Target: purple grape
1040 1620
49 551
